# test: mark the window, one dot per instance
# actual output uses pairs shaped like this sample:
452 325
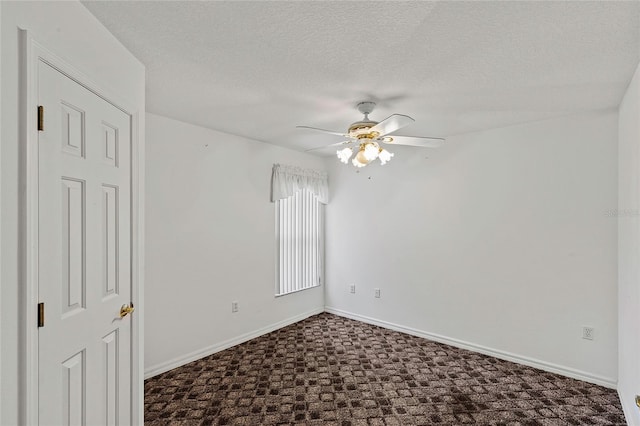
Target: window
300 235
299 195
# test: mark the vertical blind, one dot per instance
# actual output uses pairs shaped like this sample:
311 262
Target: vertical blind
299 230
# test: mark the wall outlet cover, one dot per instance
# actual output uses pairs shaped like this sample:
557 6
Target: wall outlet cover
588 333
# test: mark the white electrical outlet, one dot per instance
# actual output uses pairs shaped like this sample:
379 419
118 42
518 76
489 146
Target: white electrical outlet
588 333
376 293
352 288
234 307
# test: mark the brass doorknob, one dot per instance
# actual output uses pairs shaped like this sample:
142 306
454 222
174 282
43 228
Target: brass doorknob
126 310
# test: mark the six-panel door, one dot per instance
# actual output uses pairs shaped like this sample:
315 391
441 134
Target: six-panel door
84 262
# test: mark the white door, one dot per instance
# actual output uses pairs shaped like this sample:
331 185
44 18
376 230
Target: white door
84 256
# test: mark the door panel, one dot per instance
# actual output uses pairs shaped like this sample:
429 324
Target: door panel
84 257
110 240
110 377
72 128
72 252
74 390
110 141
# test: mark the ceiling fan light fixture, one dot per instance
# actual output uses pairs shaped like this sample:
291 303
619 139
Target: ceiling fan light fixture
345 154
360 160
367 135
371 151
384 156
357 163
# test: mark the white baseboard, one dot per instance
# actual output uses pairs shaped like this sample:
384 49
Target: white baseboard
209 350
531 362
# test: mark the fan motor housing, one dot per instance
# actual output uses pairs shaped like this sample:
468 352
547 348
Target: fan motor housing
360 129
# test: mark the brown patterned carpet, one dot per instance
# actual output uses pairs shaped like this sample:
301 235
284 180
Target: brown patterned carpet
332 370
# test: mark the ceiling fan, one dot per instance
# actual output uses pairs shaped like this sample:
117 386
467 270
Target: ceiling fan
366 136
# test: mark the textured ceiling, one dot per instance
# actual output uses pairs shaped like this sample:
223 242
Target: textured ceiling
258 69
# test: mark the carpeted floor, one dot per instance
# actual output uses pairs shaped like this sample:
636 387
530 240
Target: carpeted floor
332 370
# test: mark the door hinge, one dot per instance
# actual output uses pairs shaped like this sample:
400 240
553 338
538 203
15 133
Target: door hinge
41 314
40 118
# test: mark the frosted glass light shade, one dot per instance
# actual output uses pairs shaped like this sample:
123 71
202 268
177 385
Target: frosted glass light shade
356 163
367 152
384 156
360 160
370 152
344 154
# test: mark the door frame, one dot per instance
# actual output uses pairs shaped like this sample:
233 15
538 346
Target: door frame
32 53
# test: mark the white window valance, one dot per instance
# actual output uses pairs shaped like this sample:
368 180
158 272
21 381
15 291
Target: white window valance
287 180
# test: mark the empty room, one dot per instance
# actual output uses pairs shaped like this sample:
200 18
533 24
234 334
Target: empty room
320 213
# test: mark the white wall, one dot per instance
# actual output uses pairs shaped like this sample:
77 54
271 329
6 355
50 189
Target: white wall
501 240
70 31
210 241
629 250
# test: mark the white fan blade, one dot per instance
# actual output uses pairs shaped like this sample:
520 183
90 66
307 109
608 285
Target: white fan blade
415 141
322 130
391 124
329 146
